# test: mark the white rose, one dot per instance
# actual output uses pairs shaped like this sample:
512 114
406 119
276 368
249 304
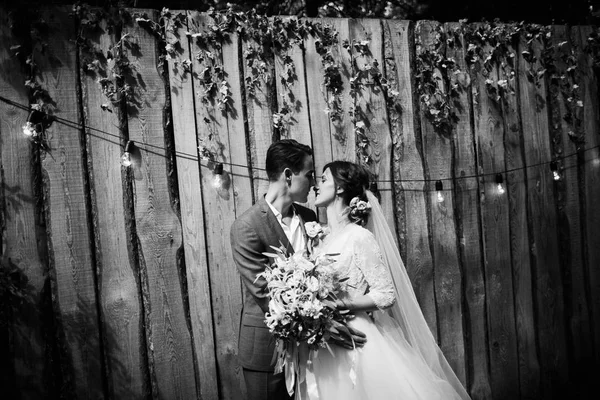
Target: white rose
313 229
362 205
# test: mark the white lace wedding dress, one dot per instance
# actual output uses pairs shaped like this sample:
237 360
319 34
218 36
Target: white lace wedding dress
387 367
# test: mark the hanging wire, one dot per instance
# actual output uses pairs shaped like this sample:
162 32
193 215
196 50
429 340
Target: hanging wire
147 147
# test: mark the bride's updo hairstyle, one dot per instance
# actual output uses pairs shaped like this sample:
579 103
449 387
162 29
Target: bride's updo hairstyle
354 179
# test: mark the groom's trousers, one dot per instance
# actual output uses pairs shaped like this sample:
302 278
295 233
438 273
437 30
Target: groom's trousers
262 385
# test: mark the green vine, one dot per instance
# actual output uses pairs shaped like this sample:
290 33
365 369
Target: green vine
42 105
325 38
491 46
487 46
437 94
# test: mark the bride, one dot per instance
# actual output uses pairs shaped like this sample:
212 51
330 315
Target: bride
401 359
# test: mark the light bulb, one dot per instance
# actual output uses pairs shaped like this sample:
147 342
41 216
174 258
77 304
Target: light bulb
440 197
500 183
29 130
126 159
217 180
554 169
439 186
556 175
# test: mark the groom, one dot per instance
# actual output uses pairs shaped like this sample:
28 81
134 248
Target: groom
275 219
272 221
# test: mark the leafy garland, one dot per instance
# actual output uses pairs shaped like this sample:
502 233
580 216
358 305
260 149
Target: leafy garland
488 45
43 106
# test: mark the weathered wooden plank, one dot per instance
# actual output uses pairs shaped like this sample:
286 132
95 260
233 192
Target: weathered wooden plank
23 239
258 72
66 211
395 45
219 202
317 97
565 119
370 109
118 283
157 227
343 139
547 285
468 221
242 194
489 134
290 83
591 178
529 368
192 210
438 152
408 166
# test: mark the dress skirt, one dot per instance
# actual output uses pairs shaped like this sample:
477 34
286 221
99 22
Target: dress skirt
385 368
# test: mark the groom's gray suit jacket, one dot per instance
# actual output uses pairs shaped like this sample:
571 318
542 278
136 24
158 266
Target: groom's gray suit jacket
252 234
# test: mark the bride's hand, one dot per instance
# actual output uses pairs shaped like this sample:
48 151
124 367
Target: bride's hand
341 304
349 340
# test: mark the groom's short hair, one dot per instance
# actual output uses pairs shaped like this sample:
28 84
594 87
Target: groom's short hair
286 153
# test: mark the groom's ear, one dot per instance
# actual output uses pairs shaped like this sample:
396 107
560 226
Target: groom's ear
288 175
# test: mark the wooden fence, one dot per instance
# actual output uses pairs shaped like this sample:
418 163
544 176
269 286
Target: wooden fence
128 289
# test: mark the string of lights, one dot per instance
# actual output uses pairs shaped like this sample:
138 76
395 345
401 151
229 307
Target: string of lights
33 125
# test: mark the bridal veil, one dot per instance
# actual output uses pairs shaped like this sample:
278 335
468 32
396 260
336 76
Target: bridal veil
407 321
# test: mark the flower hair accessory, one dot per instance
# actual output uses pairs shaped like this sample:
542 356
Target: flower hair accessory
359 210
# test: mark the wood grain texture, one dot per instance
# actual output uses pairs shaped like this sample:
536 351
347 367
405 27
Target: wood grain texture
67 222
547 284
292 94
371 102
242 191
418 258
343 140
212 130
23 238
158 229
489 133
398 57
259 111
317 96
192 211
529 367
468 225
118 280
447 279
564 121
591 178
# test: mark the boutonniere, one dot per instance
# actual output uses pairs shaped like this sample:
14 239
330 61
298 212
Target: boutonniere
315 233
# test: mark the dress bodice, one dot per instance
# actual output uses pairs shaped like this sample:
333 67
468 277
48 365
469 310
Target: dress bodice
360 260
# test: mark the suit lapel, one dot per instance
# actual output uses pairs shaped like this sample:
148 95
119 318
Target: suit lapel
301 221
274 229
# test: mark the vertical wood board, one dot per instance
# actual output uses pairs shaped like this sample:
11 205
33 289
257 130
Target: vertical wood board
529 368
21 228
542 219
71 263
158 229
118 281
219 203
468 223
192 211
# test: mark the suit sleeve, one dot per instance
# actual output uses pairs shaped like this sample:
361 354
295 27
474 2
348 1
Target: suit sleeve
247 254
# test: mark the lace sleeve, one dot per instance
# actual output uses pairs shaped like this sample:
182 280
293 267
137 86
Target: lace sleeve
369 260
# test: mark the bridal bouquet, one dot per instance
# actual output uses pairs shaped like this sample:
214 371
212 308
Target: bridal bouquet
302 291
